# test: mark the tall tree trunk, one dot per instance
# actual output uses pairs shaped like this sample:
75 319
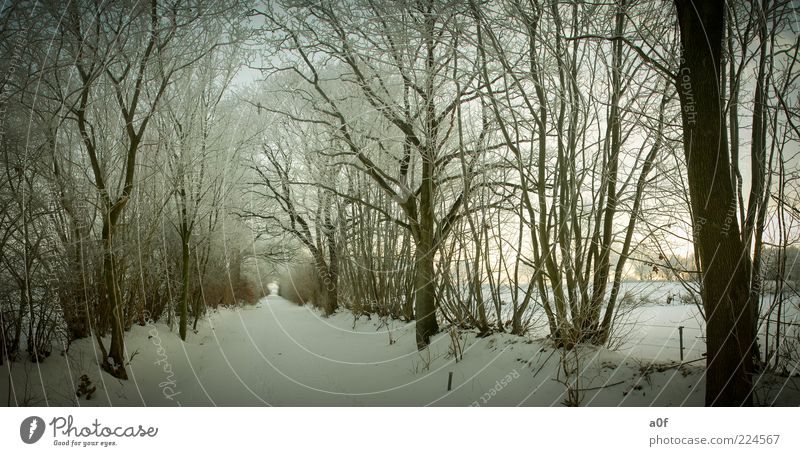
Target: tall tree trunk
723 259
185 264
613 139
78 321
185 232
333 265
425 295
424 284
328 287
408 279
759 188
116 350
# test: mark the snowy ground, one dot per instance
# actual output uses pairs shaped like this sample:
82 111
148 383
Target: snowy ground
277 353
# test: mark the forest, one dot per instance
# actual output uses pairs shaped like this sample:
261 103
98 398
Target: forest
384 186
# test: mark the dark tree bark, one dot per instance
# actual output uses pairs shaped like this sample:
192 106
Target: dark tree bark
332 282
185 277
424 284
723 258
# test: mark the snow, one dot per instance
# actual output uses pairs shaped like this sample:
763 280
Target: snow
278 353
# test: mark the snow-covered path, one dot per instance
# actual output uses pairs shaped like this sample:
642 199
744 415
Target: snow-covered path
278 353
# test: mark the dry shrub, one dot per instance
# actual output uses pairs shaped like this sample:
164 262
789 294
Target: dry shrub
246 291
228 284
299 283
219 290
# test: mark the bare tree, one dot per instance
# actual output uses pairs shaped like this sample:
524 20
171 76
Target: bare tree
580 187
194 137
129 54
407 74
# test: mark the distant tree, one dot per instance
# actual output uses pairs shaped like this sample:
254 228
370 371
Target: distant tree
310 218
